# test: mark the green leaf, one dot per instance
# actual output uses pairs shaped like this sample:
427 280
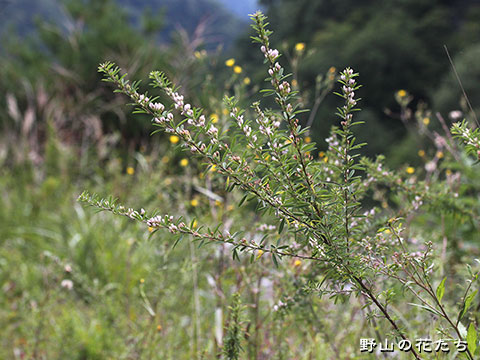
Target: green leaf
466 304
428 308
282 224
441 290
472 338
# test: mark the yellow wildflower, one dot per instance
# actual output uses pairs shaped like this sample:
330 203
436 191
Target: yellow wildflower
426 121
410 170
448 172
308 139
142 281
218 203
225 111
195 223
297 263
300 46
321 154
213 168
294 83
159 327
247 81
421 153
184 162
130 170
194 202
174 139
260 253
237 69
230 62
197 54
150 229
332 69
402 93
325 159
214 118
439 154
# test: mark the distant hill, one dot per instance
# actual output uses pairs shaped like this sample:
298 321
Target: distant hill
226 18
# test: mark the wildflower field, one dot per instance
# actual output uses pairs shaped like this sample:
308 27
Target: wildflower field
310 191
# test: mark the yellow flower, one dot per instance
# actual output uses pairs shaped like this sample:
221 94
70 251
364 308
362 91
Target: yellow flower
297 263
230 62
448 172
426 121
421 153
225 111
325 159
195 223
194 202
184 162
300 46
308 139
230 207
402 93
247 81
260 253
150 229
332 69
130 170
214 118
439 154
321 154
237 69
159 327
174 139
197 54
294 83
213 168
410 170
142 281
218 203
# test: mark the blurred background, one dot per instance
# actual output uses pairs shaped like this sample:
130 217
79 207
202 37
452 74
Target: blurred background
50 49
63 130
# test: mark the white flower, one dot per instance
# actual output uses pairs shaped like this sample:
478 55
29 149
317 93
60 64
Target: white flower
157 106
67 284
430 166
212 131
455 115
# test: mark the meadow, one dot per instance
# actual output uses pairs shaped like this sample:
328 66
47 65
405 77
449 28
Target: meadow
208 216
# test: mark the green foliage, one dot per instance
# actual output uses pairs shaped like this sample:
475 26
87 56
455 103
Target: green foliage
321 204
404 52
274 249
232 347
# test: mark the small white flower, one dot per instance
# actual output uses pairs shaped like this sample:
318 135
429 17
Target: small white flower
67 284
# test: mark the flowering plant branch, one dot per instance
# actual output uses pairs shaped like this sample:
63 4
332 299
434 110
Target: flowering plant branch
319 202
